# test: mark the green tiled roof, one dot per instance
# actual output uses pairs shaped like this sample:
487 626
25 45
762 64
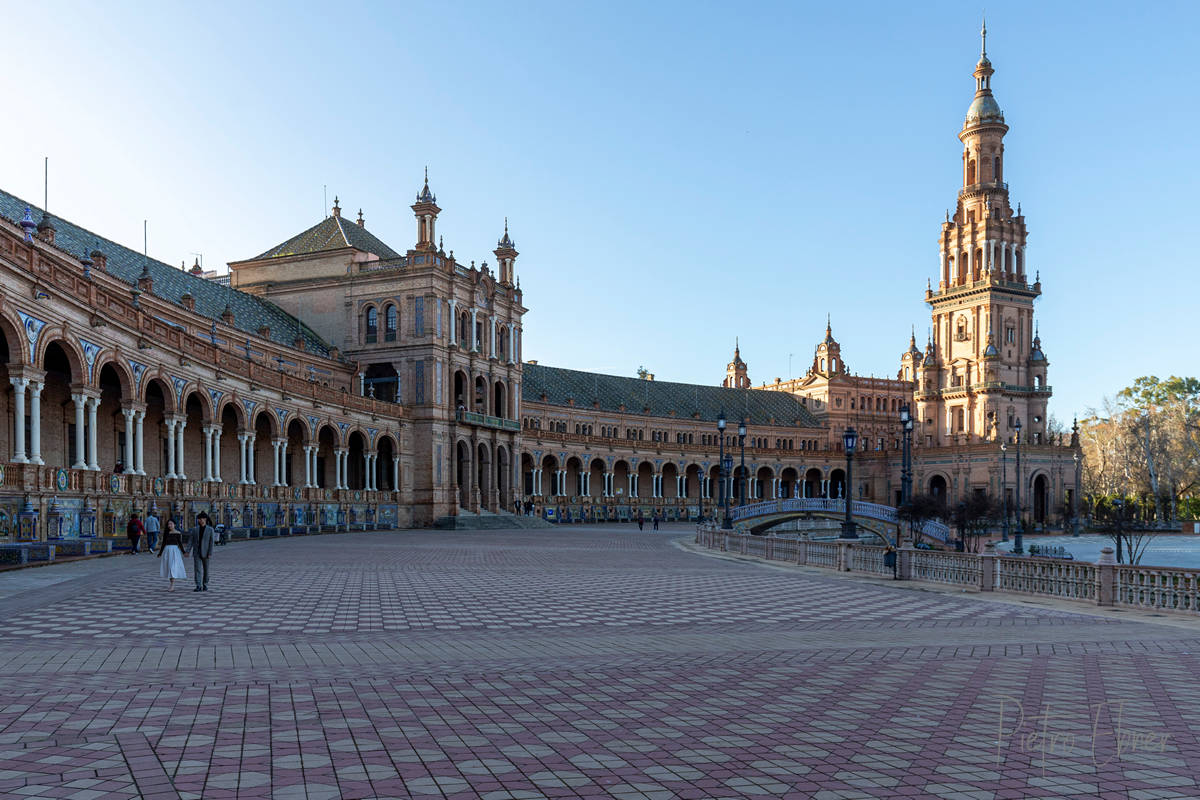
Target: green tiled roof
331 233
249 312
661 397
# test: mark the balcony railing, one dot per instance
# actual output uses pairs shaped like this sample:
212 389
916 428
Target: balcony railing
499 423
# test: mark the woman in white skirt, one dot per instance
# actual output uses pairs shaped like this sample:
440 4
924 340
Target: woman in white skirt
172 546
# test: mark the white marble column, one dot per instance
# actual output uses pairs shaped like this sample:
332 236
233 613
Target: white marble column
139 442
395 473
170 424
251 477
242 437
19 387
307 466
80 401
93 404
474 330
127 457
35 421
275 462
179 457
216 453
453 321
366 471
208 431
283 462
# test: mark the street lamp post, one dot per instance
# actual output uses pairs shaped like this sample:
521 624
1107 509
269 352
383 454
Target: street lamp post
722 496
850 440
742 444
1075 497
906 422
700 491
1018 545
1004 488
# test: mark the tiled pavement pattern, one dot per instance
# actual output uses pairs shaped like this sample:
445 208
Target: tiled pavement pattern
571 663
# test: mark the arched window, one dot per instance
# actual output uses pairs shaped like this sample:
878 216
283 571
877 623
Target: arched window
371 324
390 323
999 174
970 171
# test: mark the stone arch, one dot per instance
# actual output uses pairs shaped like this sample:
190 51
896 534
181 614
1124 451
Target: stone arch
790 477
763 478
18 344
500 400
109 358
357 445
1039 496
621 472
327 440
596 470
574 468
670 484
165 394
645 479
527 467
939 486
74 357
483 451
462 471
502 472
813 479
837 484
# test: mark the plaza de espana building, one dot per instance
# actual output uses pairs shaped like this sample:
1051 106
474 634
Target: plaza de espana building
334 382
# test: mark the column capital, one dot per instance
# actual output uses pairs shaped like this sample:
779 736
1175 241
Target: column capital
25 373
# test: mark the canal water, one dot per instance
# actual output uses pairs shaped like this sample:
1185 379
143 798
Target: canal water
1164 550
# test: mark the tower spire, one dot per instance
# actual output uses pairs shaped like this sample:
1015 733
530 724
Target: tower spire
983 37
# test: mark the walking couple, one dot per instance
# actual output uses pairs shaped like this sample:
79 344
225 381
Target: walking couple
201 542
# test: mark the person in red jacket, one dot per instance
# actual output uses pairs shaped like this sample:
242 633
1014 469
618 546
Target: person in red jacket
134 530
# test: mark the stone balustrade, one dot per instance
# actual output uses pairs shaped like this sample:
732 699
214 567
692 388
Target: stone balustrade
1105 583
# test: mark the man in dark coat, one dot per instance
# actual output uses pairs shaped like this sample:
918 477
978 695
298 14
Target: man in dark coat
202 547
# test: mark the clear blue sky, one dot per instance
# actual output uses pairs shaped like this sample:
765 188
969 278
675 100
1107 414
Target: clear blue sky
675 175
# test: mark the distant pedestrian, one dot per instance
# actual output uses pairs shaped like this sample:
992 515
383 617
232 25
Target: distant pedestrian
152 528
172 547
641 520
654 519
202 547
134 530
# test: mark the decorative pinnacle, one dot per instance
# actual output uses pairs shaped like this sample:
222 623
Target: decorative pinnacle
983 36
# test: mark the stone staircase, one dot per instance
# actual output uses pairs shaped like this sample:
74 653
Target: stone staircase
490 521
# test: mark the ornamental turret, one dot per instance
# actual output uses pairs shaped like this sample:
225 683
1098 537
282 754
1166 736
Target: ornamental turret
506 256
426 211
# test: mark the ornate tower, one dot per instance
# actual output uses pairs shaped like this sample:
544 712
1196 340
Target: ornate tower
827 360
506 256
736 376
983 369
426 211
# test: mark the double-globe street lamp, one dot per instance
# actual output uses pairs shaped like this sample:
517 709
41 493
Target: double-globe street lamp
742 445
850 440
1018 545
1075 497
722 495
1004 488
906 423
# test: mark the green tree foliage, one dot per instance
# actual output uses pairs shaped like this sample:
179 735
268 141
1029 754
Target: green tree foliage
1146 446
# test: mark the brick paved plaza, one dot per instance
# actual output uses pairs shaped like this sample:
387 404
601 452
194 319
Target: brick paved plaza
599 662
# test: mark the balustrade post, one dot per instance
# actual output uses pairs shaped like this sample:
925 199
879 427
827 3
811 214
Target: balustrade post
987 568
904 565
802 549
1106 578
844 563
